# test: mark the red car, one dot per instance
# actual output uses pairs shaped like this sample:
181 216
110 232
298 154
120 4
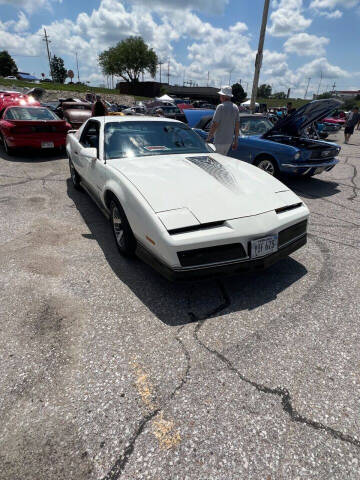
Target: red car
31 126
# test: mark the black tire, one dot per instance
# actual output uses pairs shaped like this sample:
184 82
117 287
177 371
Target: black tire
122 232
8 150
269 166
75 177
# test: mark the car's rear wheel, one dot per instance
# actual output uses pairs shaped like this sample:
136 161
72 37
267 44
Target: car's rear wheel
268 165
75 177
123 234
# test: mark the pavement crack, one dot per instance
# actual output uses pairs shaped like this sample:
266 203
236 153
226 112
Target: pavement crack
226 302
117 469
282 393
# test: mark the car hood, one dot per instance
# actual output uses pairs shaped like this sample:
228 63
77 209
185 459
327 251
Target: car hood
213 187
76 115
295 123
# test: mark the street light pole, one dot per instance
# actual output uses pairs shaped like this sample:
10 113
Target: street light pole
259 55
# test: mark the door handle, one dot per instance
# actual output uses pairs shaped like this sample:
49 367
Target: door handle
76 153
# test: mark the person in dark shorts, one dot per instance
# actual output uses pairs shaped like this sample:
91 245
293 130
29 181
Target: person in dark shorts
351 123
98 109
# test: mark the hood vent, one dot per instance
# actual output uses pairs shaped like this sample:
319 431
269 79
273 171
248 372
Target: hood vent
216 170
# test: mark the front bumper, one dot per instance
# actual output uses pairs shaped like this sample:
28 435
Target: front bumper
213 271
309 168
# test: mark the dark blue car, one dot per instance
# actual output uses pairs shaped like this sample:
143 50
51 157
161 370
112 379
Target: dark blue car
283 148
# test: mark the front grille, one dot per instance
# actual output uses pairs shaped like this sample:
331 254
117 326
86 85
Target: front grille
204 256
291 233
325 153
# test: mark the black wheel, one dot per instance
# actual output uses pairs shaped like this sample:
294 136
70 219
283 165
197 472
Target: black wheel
123 234
268 165
75 177
8 150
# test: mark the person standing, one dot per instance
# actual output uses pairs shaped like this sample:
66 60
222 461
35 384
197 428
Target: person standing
290 108
225 124
351 122
98 109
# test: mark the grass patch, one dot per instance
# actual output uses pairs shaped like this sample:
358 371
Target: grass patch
62 87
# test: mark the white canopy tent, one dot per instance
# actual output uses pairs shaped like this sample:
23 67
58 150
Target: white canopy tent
247 104
165 98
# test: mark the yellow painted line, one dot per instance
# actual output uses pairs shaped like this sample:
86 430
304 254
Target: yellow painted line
163 429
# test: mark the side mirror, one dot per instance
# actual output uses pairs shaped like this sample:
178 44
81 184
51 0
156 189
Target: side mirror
211 146
89 153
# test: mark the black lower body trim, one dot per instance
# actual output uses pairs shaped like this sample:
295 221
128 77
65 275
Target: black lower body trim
215 271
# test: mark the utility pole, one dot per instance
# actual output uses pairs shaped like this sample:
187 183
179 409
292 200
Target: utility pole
77 66
160 63
307 87
259 55
47 41
208 79
321 77
333 88
168 74
230 72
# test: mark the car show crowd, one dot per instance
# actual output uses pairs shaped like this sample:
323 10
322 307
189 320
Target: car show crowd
26 121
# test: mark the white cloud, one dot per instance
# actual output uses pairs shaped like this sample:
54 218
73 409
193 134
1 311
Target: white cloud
304 44
331 4
22 24
288 18
209 6
331 15
29 5
321 66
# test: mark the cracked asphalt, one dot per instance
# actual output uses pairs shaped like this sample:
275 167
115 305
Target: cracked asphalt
110 372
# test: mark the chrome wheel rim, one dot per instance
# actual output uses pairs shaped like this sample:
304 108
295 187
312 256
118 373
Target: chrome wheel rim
118 226
267 166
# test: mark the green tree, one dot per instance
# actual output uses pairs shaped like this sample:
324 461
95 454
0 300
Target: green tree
264 91
324 95
7 64
58 70
279 95
128 59
239 93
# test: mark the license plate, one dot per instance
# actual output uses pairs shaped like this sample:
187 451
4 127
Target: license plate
47 144
264 246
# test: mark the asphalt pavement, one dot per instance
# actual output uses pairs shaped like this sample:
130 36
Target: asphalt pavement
110 372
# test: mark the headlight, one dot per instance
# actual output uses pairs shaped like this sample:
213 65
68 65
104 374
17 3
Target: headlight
297 156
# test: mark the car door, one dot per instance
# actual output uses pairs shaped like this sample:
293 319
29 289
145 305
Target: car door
95 169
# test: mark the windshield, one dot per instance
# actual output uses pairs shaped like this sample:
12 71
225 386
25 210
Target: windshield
254 126
137 139
30 113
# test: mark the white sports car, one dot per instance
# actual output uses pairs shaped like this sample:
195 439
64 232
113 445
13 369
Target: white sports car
177 204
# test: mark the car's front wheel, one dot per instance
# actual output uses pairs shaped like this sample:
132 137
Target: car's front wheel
268 165
8 150
75 177
123 234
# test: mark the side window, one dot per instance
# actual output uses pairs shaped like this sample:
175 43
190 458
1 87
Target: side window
7 116
90 135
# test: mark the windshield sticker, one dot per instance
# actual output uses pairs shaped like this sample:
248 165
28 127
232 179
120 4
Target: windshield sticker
152 148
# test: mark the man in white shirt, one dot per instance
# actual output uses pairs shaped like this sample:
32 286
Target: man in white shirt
225 124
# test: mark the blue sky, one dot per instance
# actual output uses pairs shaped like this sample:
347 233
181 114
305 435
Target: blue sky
305 38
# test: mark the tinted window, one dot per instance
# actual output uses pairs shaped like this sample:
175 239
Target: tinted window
254 126
90 135
136 139
30 113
